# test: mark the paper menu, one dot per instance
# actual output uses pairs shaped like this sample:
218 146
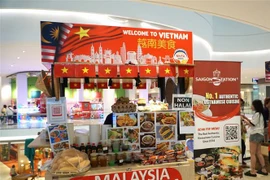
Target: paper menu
59 138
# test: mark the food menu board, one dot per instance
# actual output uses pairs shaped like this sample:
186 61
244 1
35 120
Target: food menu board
145 130
216 103
59 138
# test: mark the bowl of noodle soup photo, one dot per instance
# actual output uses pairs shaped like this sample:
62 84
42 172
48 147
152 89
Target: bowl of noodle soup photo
199 106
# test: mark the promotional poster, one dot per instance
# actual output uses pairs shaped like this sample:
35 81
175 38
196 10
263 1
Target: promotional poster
97 44
216 103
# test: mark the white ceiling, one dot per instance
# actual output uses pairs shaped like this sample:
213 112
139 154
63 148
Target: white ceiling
255 12
20 36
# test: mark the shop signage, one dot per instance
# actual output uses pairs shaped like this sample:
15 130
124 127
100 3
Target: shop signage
148 174
181 102
97 44
216 105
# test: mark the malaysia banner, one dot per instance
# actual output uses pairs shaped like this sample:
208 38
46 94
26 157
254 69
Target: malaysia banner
144 174
97 44
216 103
267 71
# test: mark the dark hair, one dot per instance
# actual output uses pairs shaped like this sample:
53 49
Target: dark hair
5 106
258 106
13 166
266 101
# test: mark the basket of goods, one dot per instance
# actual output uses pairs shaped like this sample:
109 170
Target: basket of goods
70 162
123 105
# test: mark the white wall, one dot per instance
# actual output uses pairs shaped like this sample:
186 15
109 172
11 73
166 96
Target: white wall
5 91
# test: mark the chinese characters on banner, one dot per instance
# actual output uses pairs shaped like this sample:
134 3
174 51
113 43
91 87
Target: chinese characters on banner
97 44
217 137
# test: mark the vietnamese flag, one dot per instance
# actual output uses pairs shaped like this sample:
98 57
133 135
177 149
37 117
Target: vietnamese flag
85 70
128 71
127 84
64 70
142 85
107 71
102 84
89 85
186 71
166 71
74 85
148 71
115 84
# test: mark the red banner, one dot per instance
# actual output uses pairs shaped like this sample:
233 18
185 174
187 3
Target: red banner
216 102
167 71
64 70
148 71
85 70
107 71
97 44
213 82
148 174
89 85
128 71
75 85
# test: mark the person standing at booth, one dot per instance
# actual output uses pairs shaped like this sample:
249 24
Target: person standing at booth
256 138
267 119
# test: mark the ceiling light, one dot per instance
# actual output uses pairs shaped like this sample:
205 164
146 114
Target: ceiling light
11 65
18 57
23 51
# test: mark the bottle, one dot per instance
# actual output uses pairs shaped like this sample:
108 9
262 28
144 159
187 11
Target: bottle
105 148
99 148
82 147
88 148
93 148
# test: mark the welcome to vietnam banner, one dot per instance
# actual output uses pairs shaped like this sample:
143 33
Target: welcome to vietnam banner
216 103
97 44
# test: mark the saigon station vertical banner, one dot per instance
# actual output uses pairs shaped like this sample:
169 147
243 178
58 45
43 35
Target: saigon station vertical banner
216 103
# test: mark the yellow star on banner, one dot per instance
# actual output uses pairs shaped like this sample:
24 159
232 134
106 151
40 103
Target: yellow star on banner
167 71
89 85
107 71
141 85
127 85
85 70
64 70
102 85
82 32
128 70
148 71
75 85
114 85
186 71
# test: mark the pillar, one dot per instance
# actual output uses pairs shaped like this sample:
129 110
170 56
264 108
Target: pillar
21 85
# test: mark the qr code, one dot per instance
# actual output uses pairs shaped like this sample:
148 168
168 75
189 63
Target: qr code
231 132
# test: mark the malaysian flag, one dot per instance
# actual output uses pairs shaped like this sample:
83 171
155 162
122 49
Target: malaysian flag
53 36
267 71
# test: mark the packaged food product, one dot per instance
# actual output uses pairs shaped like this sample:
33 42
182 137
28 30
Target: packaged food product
70 161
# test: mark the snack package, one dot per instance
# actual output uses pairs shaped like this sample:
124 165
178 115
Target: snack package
70 161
